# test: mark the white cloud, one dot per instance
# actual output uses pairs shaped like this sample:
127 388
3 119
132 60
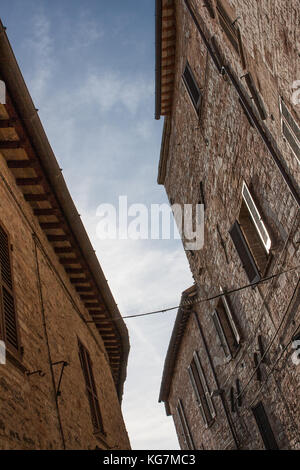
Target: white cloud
110 90
144 276
41 47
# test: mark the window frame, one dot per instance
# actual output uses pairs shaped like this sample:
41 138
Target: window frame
284 122
246 193
232 325
13 351
208 420
196 106
186 432
234 31
91 390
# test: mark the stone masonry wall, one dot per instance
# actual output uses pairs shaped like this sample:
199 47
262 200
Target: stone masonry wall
221 149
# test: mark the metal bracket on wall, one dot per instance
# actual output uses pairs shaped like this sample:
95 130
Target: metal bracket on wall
64 364
39 372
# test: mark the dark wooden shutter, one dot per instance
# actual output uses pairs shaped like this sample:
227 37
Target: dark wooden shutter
92 395
244 253
192 86
9 328
264 427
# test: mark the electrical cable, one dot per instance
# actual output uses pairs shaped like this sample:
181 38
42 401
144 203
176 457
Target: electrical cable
208 299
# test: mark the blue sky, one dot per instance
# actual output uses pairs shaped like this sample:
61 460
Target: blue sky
89 67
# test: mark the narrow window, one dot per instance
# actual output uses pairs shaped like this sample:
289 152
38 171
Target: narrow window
256 218
201 390
184 426
231 30
251 238
264 427
8 321
86 365
244 253
290 129
192 87
226 328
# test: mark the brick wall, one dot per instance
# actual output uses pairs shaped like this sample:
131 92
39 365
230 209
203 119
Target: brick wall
50 316
221 149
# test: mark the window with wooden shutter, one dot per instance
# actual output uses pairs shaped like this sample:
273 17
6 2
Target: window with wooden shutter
290 129
91 391
231 30
9 325
251 238
256 217
186 433
226 328
192 87
201 390
264 427
244 253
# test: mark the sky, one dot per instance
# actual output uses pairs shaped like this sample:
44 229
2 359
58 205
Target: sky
89 67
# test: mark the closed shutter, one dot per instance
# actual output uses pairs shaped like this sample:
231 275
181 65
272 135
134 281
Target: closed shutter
192 86
198 391
290 130
244 253
185 427
221 335
206 401
231 320
256 217
290 121
92 395
9 330
264 427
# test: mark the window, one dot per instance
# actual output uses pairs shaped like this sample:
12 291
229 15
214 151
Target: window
290 129
231 30
251 238
91 391
201 390
264 427
8 319
192 87
184 426
226 328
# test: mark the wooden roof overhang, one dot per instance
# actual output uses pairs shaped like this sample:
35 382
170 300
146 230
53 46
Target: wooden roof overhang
24 145
182 318
165 56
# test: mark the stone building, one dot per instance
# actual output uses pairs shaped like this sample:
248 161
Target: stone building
66 344
226 84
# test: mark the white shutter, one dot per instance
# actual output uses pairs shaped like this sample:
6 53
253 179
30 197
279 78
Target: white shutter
255 215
